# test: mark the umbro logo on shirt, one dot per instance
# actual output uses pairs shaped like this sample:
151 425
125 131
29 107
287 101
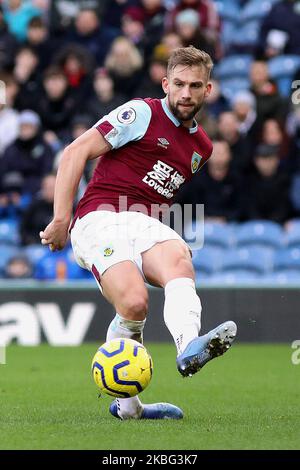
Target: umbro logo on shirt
162 142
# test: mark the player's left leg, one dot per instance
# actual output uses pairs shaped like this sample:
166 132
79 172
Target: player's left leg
168 264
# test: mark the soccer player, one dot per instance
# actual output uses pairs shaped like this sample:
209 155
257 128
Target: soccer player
148 148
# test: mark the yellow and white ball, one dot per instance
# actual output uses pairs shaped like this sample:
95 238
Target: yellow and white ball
122 368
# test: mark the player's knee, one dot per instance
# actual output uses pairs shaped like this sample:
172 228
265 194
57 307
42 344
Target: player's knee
185 265
135 305
182 264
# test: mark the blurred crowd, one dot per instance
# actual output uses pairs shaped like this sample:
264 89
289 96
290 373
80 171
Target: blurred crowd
64 64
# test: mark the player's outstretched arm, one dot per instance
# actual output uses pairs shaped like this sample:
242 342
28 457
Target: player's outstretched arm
87 147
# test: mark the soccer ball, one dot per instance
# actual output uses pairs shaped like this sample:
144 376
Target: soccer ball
122 368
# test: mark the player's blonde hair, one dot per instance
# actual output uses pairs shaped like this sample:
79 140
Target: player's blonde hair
190 56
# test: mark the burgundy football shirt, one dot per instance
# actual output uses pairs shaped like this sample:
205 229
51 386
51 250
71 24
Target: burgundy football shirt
152 156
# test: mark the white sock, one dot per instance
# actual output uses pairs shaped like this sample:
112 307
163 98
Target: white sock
182 311
122 328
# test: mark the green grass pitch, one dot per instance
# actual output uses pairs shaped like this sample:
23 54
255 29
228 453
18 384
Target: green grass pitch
247 399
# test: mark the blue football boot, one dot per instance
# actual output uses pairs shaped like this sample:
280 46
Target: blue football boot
204 348
153 411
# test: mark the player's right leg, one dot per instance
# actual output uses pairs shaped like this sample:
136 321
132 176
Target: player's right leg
98 247
123 286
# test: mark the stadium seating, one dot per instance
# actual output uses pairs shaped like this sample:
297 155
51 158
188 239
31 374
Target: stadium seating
194 229
231 86
7 252
58 266
287 258
35 253
207 260
260 233
251 259
292 236
255 10
9 232
283 277
228 9
243 253
241 23
218 235
282 69
246 36
233 278
234 66
228 33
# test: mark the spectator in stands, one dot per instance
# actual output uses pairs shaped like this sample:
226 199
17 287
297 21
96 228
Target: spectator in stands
267 195
79 124
11 89
27 77
269 103
151 84
293 130
284 18
124 63
295 192
77 64
273 133
104 99
168 43
275 43
132 25
113 11
216 103
187 27
244 107
217 187
144 24
9 127
63 12
155 16
28 155
43 6
39 212
17 15
39 41
8 44
13 201
209 19
208 122
241 146
18 267
57 105
9 121
91 34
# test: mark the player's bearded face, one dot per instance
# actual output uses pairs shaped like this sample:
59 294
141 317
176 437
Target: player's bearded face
186 88
184 110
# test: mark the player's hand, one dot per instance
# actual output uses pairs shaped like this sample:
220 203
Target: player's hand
55 235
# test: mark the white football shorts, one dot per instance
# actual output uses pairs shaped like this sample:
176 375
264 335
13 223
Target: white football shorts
102 239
